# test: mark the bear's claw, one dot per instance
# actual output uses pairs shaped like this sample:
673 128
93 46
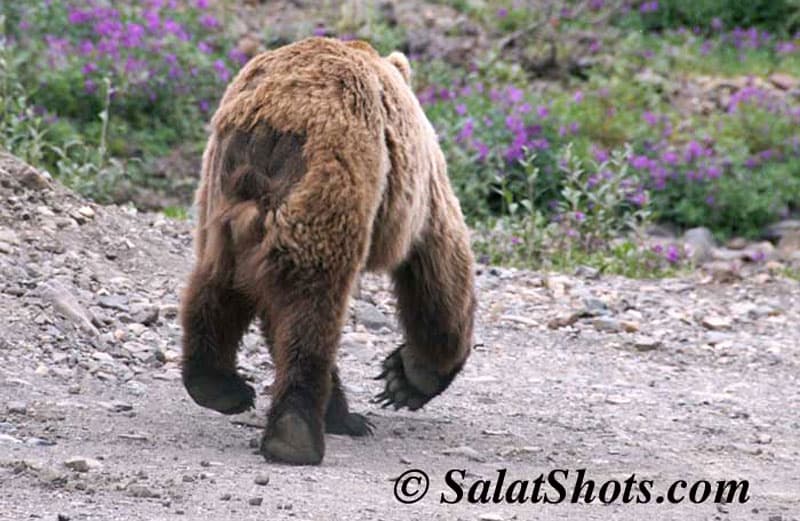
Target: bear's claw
400 391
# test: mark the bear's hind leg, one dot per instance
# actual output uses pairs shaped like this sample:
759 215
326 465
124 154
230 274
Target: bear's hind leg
338 418
305 316
215 317
434 288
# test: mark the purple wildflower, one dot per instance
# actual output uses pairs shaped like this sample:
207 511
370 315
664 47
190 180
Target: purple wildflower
88 68
600 154
483 150
673 254
466 131
77 16
209 21
649 7
650 118
514 94
640 162
238 56
89 86
222 71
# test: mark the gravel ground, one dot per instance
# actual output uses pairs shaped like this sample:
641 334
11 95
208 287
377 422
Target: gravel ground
672 379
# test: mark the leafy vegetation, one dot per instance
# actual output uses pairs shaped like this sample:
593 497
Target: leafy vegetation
652 111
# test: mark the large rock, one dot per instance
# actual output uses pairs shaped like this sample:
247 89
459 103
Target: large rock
789 245
699 243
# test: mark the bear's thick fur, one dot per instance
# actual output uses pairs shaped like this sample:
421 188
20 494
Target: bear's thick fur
321 163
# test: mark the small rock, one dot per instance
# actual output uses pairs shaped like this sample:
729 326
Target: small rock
724 272
490 516
737 243
7 438
64 303
594 307
763 439
607 324
81 464
262 480
9 237
783 81
563 320
629 326
144 313
714 338
255 501
716 323
777 230
116 406
103 357
86 211
464 450
646 343
33 441
169 310
370 316
141 491
45 211
17 408
587 272
789 244
34 180
116 302
225 497
530 322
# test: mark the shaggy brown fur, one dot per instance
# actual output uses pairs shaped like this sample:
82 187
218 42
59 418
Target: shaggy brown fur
322 163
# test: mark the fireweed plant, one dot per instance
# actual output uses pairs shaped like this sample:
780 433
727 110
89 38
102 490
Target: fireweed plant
165 64
570 172
733 170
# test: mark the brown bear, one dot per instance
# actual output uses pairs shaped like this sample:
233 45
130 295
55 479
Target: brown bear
322 163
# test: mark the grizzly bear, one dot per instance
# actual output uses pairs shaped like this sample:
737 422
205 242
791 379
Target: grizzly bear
320 164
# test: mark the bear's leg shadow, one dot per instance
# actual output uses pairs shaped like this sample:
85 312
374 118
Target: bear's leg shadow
215 316
435 299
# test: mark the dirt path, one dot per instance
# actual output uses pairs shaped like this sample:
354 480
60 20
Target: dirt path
675 379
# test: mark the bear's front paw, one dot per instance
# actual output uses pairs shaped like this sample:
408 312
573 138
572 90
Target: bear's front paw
409 382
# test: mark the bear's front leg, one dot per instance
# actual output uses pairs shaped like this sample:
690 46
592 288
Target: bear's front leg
436 304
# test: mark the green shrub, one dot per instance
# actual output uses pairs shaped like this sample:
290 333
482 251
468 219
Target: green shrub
776 16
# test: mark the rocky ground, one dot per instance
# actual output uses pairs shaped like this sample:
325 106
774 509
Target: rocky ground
692 378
